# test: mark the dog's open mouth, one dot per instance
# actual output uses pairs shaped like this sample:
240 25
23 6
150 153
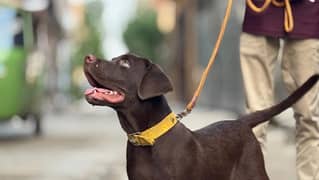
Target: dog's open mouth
101 93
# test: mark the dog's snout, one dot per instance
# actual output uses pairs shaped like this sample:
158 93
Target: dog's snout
90 59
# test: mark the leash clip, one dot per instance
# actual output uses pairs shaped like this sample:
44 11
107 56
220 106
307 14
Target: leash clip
183 114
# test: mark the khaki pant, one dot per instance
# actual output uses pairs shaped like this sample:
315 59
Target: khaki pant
300 60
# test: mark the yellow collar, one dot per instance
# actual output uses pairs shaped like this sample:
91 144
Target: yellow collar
148 137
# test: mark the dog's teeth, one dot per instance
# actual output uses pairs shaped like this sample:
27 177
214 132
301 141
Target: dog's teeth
108 92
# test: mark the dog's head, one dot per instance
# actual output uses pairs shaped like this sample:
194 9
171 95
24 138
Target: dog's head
123 80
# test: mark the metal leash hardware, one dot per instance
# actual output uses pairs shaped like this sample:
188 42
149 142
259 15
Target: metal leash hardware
182 114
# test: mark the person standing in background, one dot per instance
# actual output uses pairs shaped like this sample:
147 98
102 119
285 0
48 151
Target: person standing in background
259 49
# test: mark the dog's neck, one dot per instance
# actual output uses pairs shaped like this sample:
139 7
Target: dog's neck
137 117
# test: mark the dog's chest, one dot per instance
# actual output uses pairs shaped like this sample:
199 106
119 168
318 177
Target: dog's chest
160 165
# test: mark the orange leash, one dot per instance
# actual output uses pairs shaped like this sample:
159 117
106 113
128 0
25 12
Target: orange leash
289 20
193 101
289 25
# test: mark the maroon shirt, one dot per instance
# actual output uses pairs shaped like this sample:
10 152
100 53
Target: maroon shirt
271 21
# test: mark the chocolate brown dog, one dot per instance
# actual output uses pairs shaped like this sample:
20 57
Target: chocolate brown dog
226 150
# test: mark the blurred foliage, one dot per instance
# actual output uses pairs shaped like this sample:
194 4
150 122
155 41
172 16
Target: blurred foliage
142 35
91 42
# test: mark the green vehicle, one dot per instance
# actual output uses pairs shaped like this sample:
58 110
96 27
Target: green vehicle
20 82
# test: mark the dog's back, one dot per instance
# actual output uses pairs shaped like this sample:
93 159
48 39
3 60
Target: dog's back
235 144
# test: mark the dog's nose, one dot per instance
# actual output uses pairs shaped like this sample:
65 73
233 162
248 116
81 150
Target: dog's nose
90 59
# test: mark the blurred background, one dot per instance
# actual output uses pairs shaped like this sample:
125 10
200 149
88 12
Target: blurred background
48 131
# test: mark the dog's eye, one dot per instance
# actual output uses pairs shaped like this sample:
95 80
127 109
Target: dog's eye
124 63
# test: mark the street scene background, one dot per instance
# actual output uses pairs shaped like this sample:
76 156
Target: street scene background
47 129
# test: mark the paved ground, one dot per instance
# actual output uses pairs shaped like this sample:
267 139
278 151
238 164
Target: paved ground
87 143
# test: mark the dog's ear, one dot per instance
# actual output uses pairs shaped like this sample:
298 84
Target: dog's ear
154 83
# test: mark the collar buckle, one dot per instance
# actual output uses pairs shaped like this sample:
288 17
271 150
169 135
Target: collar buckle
133 138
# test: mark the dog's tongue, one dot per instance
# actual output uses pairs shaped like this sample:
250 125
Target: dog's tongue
104 95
